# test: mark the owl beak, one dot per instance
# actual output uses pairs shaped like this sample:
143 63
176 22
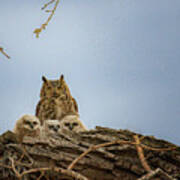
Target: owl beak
31 126
55 129
55 94
71 127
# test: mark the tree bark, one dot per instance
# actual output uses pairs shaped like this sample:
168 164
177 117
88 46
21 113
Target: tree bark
109 154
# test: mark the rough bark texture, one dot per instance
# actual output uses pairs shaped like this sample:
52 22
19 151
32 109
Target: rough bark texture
50 158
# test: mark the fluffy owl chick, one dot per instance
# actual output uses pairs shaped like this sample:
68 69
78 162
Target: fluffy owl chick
50 127
72 123
27 125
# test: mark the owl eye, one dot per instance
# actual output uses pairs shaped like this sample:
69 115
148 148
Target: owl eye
59 86
35 123
48 87
75 124
27 122
50 127
67 124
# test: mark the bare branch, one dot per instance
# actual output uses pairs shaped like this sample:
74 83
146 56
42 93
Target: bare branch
5 54
141 154
93 148
47 4
43 26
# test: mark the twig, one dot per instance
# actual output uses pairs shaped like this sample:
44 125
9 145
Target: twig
43 26
48 11
5 166
71 173
141 154
154 173
14 168
5 54
24 153
71 166
41 175
47 4
158 149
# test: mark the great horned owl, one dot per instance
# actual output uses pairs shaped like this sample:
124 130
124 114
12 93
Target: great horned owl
55 100
72 123
27 125
50 127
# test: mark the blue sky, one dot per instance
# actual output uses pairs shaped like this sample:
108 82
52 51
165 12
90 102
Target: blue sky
120 58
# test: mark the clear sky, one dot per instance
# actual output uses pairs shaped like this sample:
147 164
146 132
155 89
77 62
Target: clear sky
121 59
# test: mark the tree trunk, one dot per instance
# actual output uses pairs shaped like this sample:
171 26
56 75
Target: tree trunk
108 155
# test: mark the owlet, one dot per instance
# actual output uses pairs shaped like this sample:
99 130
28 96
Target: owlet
27 125
72 123
50 127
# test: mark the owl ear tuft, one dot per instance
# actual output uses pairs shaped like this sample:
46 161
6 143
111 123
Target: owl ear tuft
44 79
61 78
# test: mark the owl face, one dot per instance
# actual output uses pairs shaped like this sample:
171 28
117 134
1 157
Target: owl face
53 88
30 123
51 126
27 125
72 123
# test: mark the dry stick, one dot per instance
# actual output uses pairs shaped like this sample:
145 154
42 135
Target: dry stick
47 4
2 51
29 158
158 149
41 175
14 168
42 170
43 26
5 166
60 170
63 171
51 15
48 11
96 147
141 154
24 152
152 174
